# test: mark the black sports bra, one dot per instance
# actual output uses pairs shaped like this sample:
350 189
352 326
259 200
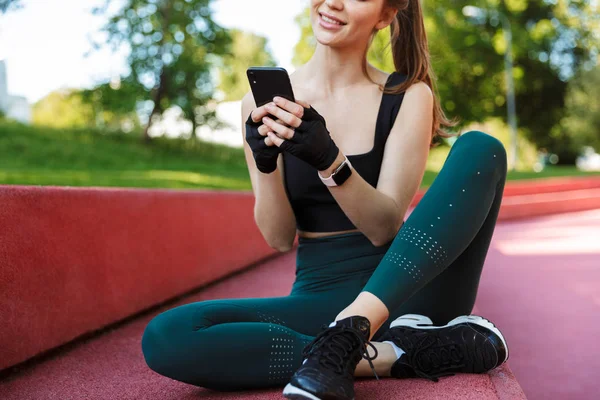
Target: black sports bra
314 207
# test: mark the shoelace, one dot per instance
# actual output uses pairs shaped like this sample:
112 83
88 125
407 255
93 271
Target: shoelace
440 357
334 346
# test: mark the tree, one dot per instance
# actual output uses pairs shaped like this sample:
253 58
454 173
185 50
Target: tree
247 49
552 41
173 45
114 104
582 121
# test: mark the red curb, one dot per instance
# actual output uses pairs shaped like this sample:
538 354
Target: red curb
73 260
506 385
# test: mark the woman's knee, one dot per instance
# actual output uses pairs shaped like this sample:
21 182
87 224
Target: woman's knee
156 343
486 152
485 142
164 339
168 337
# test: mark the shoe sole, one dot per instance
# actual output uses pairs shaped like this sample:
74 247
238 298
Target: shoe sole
292 392
422 322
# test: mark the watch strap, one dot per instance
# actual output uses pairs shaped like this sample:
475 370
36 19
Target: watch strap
339 175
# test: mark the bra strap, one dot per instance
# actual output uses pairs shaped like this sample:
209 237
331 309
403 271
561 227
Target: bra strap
390 106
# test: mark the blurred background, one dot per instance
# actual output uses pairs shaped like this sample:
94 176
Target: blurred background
146 93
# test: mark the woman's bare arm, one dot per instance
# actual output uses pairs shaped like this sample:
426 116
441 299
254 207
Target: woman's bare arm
273 213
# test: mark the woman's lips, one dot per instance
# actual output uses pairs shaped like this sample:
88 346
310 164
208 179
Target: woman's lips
329 25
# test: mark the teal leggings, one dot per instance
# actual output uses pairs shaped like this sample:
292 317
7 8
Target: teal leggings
431 267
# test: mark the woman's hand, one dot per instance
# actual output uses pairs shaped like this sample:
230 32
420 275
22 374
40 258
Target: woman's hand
263 149
305 136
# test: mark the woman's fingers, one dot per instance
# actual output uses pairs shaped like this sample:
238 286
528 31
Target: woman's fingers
303 104
276 140
280 130
263 129
287 111
269 142
259 112
292 107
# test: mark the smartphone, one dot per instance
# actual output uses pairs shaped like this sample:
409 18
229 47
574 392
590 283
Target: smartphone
268 82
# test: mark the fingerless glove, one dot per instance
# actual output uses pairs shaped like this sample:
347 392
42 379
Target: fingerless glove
265 156
312 142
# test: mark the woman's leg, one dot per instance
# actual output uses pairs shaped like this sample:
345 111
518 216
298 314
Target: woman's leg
452 293
231 344
442 246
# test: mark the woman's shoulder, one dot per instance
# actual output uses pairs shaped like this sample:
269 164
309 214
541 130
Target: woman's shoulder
378 76
396 78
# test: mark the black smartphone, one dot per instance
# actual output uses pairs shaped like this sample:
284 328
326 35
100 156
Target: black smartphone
268 82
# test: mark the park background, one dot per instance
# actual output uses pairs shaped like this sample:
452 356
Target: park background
116 88
112 210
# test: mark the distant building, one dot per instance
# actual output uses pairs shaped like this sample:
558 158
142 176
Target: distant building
15 107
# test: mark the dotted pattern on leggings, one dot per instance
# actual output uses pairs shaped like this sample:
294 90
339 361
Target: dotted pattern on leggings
422 240
269 318
419 239
281 357
403 262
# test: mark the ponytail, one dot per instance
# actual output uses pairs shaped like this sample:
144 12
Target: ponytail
410 52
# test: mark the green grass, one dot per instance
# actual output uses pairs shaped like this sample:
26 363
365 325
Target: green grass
77 157
86 157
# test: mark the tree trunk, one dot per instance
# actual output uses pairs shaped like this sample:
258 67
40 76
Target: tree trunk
146 138
158 95
194 126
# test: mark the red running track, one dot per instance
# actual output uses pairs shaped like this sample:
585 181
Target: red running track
541 286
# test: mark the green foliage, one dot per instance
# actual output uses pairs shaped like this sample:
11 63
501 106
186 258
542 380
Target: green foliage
109 106
61 109
551 42
173 46
380 52
582 123
113 104
305 47
247 50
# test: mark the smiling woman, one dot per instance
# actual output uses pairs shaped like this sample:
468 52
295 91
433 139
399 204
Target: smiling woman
339 167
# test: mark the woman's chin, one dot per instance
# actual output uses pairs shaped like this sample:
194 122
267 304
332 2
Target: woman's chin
327 39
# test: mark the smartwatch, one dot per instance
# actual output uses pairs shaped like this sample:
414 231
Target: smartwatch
339 175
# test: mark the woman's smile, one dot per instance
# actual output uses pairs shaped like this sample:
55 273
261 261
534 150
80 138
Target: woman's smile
329 22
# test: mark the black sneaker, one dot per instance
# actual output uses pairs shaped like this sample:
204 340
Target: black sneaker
467 344
330 360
